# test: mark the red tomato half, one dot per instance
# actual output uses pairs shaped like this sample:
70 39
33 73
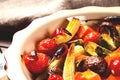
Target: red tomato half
55 77
83 30
93 36
47 46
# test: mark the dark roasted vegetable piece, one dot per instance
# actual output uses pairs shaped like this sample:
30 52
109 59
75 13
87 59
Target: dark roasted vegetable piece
57 61
109 28
107 42
112 18
94 63
94 49
62 51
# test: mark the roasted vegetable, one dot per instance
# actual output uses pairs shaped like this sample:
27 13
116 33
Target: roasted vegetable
112 77
112 30
86 33
95 50
107 42
47 46
69 65
72 27
113 55
60 31
83 30
55 77
76 41
56 65
112 19
108 27
79 76
62 51
90 75
94 63
115 66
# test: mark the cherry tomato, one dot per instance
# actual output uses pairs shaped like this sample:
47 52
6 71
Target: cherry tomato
58 31
83 30
115 66
36 62
92 36
55 77
47 46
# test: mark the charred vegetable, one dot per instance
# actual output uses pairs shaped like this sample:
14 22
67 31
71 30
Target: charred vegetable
72 28
111 29
107 42
77 42
69 65
112 19
56 64
94 63
95 50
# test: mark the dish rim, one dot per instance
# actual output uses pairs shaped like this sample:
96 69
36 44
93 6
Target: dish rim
60 14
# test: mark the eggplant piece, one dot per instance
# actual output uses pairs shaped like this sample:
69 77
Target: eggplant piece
95 63
94 49
107 42
56 64
114 19
109 28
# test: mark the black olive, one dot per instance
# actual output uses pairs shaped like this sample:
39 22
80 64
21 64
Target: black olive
94 63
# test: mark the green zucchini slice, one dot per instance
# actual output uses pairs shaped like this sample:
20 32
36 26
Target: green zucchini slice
107 41
94 49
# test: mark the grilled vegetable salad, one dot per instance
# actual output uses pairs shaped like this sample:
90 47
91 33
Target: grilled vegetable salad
78 52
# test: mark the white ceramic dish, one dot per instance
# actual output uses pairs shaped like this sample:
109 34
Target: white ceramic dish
24 40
